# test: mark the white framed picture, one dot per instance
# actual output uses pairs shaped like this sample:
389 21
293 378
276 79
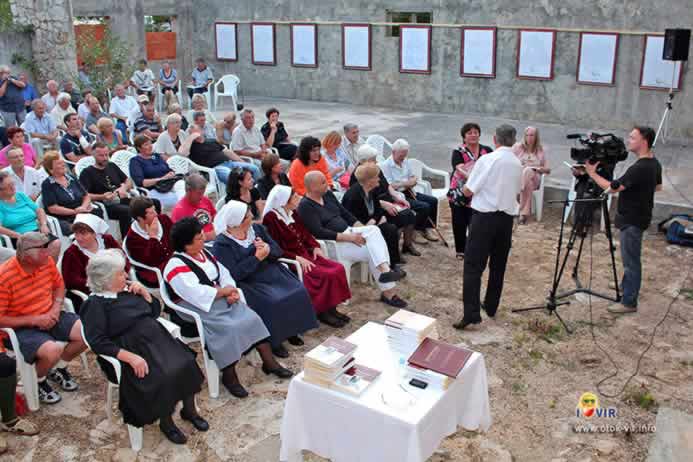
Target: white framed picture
478 52
356 46
535 54
304 45
597 58
415 49
262 44
655 72
226 41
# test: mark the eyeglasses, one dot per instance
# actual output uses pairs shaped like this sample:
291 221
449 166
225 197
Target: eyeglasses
44 246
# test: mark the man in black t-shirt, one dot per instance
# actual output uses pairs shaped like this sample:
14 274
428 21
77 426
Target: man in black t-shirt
636 190
76 143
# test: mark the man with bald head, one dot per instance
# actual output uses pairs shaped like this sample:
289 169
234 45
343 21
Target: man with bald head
32 293
326 218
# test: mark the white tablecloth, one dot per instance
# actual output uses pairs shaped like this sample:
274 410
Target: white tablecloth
344 428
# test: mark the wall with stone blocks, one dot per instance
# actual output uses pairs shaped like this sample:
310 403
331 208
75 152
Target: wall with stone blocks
561 100
15 43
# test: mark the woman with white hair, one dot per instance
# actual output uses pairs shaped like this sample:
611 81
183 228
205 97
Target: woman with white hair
62 108
120 320
531 153
207 288
324 279
173 140
273 291
199 104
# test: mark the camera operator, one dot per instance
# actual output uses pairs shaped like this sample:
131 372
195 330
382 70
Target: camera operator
636 200
494 186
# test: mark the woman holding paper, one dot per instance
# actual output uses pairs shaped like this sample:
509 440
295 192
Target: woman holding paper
531 154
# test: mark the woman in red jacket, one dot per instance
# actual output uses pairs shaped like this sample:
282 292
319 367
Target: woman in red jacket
325 280
90 237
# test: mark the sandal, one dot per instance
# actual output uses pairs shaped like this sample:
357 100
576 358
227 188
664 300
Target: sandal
20 427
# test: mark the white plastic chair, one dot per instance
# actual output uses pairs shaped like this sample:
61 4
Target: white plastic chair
5 241
331 250
122 160
27 371
182 165
207 95
382 145
83 163
54 225
230 83
420 170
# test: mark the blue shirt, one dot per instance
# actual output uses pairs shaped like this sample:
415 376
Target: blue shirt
29 93
71 144
44 126
168 81
341 161
146 169
201 77
12 100
20 217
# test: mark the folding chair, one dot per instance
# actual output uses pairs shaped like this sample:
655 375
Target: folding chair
420 170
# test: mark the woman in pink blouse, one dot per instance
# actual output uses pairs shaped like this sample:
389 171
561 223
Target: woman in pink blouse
531 154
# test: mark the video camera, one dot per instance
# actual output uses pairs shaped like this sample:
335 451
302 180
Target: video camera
607 148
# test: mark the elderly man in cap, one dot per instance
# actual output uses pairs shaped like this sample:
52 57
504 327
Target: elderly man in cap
31 300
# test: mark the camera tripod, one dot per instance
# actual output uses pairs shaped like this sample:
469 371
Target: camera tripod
582 226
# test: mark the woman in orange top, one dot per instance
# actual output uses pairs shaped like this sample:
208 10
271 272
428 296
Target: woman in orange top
307 160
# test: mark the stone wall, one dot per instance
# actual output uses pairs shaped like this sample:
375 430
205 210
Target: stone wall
53 37
12 43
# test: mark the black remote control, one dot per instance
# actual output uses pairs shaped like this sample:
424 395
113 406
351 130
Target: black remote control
418 383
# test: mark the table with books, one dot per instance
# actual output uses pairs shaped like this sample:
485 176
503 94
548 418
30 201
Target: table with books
354 400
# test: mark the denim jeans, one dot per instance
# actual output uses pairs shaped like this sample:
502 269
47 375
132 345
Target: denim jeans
223 170
631 246
120 125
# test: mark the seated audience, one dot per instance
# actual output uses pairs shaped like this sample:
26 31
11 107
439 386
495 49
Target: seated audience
149 239
11 98
63 196
361 202
143 80
83 108
91 236
337 162
173 140
199 104
17 141
75 95
11 422
401 177
207 288
148 123
29 92
240 187
308 160
26 179
105 182
209 153
76 143
176 109
168 80
207 129
95 114
196 204
120 320
61 109
34 311
351 142
109 136
531 153
20 215
201 78
41 128
272 175
83 74
50 99
276 136
247 139
271 290
121 108
463 159
324 279
150 171
225 129
326 218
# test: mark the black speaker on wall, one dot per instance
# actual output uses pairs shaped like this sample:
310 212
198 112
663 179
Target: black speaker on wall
676 44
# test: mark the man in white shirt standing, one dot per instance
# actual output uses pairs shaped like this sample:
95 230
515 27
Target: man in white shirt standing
121 107
247 140
494 186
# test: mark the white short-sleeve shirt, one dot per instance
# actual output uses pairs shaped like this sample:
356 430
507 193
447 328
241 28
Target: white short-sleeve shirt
496 182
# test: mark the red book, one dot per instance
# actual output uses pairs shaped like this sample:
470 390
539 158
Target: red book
440 357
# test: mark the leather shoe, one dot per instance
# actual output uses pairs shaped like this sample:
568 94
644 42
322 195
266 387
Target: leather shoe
339 315
174 434
411 251
198 422
237 390
391 276
281 372
330 319
295 341
393 301
463 324
280 352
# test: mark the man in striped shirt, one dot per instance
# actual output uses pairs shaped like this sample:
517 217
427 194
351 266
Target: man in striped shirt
31 299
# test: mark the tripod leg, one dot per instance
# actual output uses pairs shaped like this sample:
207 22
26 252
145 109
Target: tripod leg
565 326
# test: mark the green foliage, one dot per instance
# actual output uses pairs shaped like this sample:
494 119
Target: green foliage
107 61
5 15
27 63
640 396
157 24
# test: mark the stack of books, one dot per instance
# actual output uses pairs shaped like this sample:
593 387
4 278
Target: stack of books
406 330
437 363
331 365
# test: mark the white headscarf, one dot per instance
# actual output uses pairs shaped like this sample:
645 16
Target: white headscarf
97 225
231 214
276 200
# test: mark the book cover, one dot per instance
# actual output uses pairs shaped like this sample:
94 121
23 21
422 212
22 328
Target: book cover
440 357
409 320
331 351
356 379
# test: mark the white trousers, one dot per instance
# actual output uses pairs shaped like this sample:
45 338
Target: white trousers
374 252
170 199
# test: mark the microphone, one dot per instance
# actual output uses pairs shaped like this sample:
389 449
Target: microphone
573 136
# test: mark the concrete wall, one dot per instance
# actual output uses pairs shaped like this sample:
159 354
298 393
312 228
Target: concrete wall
560 100
15 42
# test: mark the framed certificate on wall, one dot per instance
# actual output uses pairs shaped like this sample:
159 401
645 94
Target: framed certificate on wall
478 52
304 45
226 41
415 49
262 44
656 73
356 46
597 58
535 54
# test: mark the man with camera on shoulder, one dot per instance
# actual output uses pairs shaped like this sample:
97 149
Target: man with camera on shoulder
635 203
